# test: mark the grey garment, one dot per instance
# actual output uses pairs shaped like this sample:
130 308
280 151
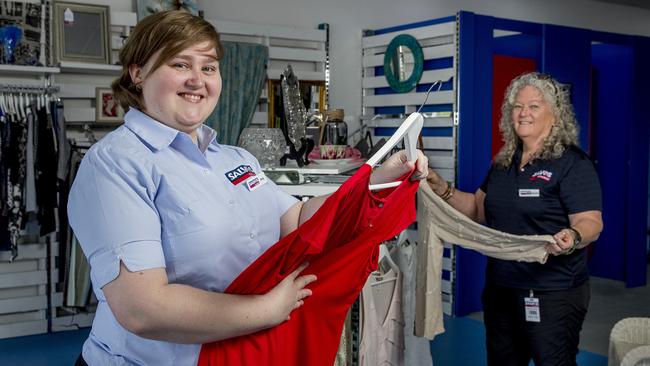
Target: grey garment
438 222
417 349
78 284
30 177
62 142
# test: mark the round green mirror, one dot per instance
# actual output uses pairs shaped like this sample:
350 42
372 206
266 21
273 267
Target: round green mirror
397 65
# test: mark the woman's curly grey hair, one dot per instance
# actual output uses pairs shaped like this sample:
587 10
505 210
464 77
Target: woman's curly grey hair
564 132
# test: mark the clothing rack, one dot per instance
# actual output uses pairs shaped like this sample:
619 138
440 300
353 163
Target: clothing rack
28 89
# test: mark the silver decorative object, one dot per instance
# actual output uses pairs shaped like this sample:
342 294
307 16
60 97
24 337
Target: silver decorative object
294 110
266 144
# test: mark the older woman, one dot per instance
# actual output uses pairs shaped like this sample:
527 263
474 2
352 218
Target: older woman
540 183
165 215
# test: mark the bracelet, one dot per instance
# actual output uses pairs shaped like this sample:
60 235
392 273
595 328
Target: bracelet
449 192
577 238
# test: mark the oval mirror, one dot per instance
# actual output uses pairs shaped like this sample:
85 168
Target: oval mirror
403 63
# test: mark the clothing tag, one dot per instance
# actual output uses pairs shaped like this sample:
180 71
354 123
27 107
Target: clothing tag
531 307
529 193
68 16
255 182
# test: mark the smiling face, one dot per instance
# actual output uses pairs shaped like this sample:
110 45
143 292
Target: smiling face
184 90
532 116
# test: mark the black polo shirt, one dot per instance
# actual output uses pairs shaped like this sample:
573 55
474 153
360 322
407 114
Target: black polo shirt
537 200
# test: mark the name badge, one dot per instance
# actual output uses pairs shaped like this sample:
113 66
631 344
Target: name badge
256 181
529 193
531 307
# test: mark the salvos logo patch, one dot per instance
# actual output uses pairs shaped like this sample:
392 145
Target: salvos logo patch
544 175
240 174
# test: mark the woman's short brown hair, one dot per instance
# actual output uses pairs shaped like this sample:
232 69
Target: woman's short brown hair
169 31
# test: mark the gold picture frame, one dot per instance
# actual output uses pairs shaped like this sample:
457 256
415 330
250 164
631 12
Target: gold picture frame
81 32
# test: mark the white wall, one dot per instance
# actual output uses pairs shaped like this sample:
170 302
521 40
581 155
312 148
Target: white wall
348 17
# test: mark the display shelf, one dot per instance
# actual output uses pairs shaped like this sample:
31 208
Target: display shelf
21 70
321 167
89 68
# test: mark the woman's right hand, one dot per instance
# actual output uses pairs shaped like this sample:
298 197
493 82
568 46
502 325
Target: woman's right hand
289 294
437 184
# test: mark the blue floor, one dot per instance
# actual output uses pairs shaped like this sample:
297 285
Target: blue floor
54 349
463 343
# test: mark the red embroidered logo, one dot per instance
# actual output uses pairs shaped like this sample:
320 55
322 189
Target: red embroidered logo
544 175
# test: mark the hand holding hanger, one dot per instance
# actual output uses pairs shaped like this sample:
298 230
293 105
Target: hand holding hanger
398 164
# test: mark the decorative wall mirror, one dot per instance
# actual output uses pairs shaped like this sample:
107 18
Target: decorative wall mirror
401 73
312 93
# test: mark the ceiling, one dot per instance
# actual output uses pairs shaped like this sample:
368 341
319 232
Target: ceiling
645 4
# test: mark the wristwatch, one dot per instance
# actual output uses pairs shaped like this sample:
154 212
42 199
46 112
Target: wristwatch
577 239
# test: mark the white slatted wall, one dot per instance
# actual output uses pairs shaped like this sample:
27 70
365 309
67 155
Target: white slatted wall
385 109
303 48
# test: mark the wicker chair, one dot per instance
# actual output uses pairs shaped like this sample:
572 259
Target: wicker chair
626 336
639 356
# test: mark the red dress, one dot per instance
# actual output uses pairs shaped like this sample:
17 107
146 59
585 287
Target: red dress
340 242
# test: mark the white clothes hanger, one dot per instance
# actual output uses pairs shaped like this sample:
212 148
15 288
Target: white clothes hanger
410 131
384 255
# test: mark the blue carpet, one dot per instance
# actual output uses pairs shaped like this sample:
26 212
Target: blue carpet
463 343
54 349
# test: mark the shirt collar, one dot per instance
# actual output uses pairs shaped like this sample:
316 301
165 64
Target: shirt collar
207 138
160 136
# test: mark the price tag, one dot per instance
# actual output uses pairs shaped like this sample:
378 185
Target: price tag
68 17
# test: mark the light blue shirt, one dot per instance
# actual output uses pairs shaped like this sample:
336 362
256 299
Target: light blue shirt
148 196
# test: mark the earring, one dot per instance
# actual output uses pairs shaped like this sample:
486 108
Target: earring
138 87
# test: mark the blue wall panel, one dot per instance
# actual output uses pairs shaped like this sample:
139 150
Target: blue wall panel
639 140
474 143
612 68
566 55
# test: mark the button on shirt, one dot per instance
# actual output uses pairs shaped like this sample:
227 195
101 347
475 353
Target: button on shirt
148 196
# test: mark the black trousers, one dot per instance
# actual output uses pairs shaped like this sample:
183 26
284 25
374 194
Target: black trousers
513 341
80 361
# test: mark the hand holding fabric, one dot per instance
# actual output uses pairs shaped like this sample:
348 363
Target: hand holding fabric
289 294
564 240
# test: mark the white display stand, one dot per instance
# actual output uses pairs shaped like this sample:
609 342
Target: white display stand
321 167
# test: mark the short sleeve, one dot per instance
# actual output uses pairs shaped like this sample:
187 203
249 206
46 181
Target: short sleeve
112 213
484 185
285 201
580 188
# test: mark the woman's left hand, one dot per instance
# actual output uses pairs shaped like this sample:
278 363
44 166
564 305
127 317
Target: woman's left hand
563 242
397 165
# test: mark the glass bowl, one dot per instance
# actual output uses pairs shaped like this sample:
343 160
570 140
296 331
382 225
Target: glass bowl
266 144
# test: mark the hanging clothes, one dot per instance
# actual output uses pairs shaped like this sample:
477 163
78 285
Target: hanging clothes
438 222
417 349
46 166
24 154
341 244
382 325
16 158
